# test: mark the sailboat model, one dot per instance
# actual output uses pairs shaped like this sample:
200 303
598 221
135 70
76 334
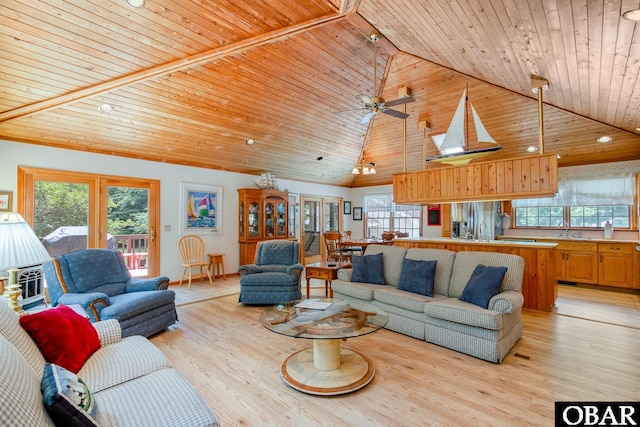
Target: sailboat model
453 144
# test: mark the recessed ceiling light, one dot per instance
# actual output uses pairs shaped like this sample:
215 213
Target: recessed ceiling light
532 149
106 108
137 4
632 15
251 141
604 139
638 129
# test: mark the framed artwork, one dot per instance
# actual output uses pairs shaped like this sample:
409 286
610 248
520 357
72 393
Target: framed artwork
357 214
200 209
6 201
347 208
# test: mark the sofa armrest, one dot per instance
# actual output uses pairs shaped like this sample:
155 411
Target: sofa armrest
92 302
109 331
247 269
137 284
506 302
345 274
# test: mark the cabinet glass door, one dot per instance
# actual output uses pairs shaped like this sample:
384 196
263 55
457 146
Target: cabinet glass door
268 219
254 220
241 225
281 219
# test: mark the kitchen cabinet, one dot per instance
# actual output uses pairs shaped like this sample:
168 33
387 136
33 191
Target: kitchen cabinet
516 178
263 215
577 261
615 264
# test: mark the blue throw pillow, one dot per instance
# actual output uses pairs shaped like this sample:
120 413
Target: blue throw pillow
368 269
66 397
417 276
484 284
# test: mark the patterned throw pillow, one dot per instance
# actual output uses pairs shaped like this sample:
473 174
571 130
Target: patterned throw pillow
368 269
417 276
484 284
66 397
63 336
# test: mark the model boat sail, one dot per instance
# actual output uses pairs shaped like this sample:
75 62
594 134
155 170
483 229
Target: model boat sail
453 144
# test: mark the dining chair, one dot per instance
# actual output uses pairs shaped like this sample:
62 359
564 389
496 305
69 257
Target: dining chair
192 253
332 243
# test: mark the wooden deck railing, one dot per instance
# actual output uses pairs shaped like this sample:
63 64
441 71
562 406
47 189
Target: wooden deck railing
134 248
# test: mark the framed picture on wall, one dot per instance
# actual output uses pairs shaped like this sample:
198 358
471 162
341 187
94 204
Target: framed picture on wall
347 208
357 214
6 201
201 209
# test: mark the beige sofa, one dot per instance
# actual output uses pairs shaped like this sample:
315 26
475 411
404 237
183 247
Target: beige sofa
130 379
444 319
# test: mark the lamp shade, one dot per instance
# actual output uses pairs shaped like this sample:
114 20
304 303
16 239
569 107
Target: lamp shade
19 245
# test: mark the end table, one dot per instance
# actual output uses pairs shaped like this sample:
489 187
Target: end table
324 270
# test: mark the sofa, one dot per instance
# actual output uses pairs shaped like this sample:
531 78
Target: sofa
443 318
99 281
130 382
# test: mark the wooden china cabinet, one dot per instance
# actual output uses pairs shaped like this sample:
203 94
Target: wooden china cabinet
263 216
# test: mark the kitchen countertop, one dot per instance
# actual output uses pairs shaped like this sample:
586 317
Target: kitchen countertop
570 239
541 245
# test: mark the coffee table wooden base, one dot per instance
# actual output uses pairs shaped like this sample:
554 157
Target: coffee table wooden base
314 370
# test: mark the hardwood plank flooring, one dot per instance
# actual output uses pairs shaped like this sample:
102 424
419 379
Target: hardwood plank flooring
220 346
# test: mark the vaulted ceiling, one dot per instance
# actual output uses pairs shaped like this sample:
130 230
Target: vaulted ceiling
191 80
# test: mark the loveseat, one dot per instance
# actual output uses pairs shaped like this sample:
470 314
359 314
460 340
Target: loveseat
130 381
443 318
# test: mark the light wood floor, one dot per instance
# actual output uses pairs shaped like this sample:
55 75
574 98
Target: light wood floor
220 346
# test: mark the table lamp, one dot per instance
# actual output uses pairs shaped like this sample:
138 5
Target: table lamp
19 247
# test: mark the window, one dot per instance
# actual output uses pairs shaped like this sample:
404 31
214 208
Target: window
586 201
381 215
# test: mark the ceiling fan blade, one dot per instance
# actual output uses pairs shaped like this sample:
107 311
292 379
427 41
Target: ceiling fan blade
366 99
366 119
394 113
400 101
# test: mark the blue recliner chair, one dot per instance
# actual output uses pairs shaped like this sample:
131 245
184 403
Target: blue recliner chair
275 276
98 280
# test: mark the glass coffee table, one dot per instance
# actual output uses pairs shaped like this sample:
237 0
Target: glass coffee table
327 368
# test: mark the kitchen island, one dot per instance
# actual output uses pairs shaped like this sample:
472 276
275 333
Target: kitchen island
539 282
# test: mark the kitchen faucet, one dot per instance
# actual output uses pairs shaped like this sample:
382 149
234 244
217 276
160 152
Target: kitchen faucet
564 224
482 223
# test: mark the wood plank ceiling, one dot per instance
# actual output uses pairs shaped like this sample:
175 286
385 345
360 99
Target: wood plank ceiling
192 80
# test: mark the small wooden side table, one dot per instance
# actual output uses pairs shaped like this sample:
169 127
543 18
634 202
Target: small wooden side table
216 260
324 270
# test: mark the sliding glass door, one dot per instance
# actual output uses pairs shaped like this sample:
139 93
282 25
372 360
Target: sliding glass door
70 211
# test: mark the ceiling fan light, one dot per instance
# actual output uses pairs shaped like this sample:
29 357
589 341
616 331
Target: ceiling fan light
532 149
372 170
365 170
604 139
355 171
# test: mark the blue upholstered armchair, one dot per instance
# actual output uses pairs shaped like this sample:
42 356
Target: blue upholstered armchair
98 280
275 276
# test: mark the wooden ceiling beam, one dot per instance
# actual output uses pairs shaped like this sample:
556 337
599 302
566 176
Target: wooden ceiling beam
164 69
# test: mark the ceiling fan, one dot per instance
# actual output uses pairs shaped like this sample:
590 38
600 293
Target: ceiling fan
376 104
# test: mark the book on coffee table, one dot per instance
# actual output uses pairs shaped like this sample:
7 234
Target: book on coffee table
313 304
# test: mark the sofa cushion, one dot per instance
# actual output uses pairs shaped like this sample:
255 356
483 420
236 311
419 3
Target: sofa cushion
393 256
444 266
395 297
466 261
11 330
66 397
417 276
63 336
454 310
484 283
169 400
368 269
20 390
121 362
